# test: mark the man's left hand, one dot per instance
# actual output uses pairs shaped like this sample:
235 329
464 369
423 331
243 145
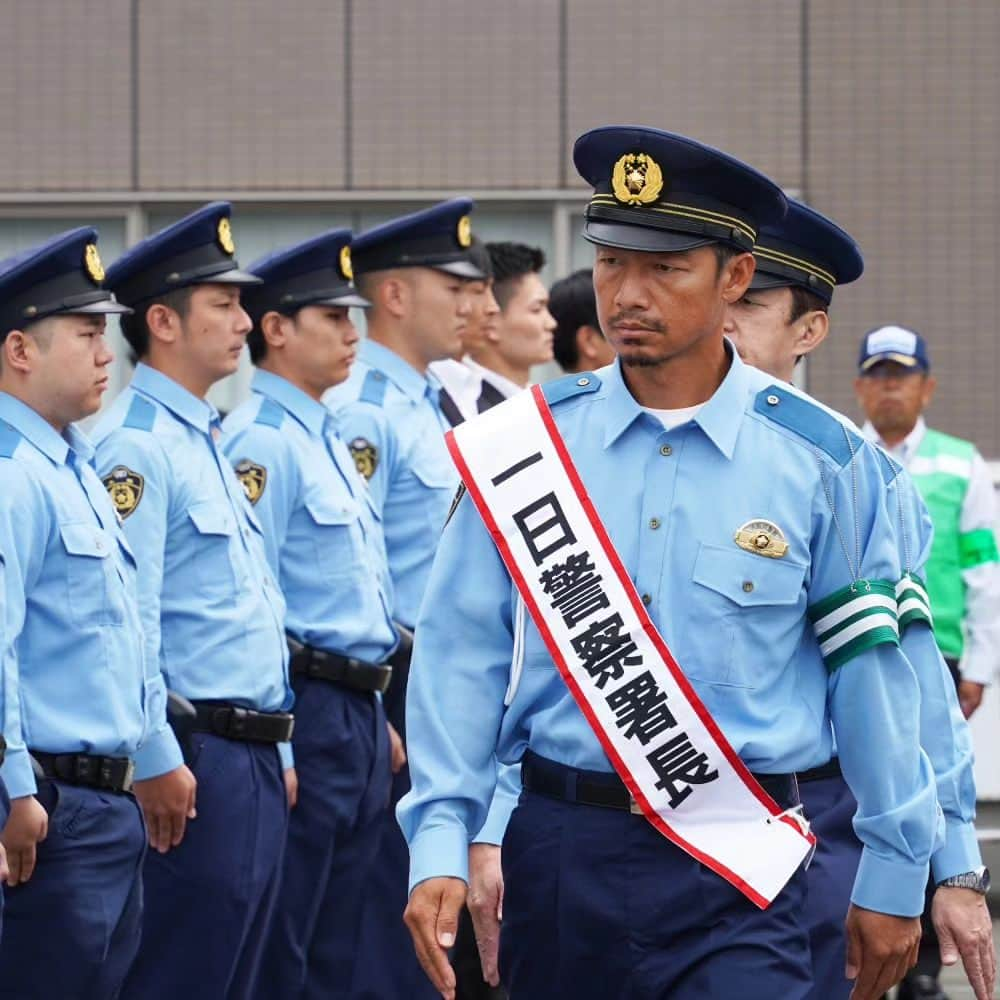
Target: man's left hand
970 697
963 926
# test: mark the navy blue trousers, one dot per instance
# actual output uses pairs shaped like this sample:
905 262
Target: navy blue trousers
599 906
830 807
387 966
342 760
73 930
209 901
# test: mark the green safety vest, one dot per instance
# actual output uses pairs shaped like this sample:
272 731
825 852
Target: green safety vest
941 470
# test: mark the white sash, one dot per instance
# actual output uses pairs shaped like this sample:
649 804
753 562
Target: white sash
664 744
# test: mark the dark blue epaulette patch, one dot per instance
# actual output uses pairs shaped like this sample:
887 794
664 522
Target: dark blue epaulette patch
373 388
141 414
808 421
270 414
570 385
10 438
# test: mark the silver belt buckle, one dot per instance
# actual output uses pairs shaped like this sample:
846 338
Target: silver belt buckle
633 807
129 776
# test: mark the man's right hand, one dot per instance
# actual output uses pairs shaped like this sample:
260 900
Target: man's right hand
167 803
27 826
881 949
432 917
486 906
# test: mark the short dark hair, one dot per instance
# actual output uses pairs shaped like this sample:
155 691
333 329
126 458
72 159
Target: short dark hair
511 262
804 301
134 328
573 304
256 340
480 256
724 253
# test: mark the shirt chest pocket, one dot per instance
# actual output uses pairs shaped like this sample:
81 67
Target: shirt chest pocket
96 590
212 559
336 535
746 617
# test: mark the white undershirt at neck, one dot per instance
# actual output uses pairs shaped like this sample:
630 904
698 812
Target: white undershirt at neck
674 418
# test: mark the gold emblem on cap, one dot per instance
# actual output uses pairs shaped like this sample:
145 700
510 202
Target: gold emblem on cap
464 233
763 538
345 262
92 263
637 179
225 234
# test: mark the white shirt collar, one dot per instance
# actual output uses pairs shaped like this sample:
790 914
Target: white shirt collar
499 382
907 448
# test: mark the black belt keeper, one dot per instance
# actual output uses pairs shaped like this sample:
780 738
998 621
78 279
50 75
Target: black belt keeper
307 661
606 790
232 722
831 769
109 774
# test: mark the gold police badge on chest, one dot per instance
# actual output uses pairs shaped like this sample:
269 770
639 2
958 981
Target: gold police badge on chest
763 538
253 477
365 456
125 489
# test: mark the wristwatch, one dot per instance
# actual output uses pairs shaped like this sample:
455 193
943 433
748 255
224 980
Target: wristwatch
977 881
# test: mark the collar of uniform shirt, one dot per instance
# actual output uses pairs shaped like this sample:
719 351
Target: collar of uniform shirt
404 375
309 412
42 434
906 448
199 413
719 418
499 382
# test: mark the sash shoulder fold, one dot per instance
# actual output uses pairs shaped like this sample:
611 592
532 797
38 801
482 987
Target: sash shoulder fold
809 421
569 386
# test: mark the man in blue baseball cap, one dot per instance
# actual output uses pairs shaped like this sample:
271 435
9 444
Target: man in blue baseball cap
416 271
659 618
962 577
213 792
325 546
783 317
76 687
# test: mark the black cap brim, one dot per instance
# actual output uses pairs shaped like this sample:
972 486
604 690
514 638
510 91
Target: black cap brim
460 268
347 299
107 307
234 276
761 279
625 237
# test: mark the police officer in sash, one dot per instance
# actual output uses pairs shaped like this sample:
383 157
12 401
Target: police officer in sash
415 271
73 677
783 317
324 543
758 562
214 792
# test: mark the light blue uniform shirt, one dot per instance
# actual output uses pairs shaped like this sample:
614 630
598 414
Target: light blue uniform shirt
735 621
389 416
73 656
323 537
211 609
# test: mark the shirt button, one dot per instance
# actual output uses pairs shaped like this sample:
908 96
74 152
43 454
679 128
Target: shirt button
654 523
666 450
748 586
647 599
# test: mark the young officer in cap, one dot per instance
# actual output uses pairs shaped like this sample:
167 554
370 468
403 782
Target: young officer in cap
324 543
213 617
72 641
413 270
725 515
780 319
962 578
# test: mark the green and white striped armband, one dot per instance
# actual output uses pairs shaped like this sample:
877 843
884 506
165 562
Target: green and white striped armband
912 602
854 619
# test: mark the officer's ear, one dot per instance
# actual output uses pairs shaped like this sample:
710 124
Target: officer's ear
810 331
16 353
163 323
927 393
274 326
394 294
736 276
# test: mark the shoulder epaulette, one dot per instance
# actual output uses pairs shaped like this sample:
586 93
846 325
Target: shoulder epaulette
809 421
10 437
373 388
141 414
270 414
890 467
570 385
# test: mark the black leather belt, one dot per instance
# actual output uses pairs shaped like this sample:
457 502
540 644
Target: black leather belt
110 774
3 748
244 724
307 661
831 769
607 790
